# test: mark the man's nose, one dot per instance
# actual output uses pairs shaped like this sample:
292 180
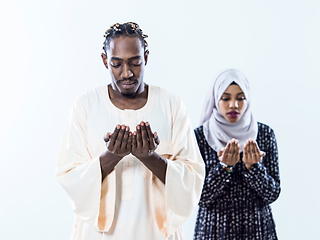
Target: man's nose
126 73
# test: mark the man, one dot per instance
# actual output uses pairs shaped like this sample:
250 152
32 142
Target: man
127 184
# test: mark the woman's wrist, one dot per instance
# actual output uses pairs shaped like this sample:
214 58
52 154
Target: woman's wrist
226 167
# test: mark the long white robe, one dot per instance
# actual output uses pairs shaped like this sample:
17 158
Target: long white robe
131 202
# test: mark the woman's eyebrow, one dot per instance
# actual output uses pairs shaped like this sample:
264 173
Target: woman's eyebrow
230 93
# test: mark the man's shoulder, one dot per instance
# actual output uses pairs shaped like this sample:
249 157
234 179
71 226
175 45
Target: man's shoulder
163 93
92 94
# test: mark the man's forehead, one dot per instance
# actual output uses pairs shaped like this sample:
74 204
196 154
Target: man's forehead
121 59
126 44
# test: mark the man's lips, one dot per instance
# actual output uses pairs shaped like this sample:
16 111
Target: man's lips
127 83
233 114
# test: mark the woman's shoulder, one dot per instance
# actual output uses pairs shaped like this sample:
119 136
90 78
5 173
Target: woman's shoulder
199 134
199 130
263 126
264 130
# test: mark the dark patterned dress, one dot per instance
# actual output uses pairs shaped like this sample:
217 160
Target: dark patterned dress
235 206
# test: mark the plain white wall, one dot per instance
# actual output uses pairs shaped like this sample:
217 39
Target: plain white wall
50 53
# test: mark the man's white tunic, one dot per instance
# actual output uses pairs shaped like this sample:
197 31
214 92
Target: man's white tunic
131 202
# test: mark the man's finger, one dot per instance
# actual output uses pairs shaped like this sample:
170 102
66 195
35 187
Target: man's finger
119 138
106 137
125 139
156 138
149 132
138 137
134 141
114 135
129 142
144 136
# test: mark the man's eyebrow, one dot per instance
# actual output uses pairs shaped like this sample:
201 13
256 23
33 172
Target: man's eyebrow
135 57
116 58
130 59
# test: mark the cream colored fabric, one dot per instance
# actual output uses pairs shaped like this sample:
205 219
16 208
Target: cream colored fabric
131 202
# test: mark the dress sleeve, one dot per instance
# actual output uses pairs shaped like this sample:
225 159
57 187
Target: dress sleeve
214 185
216 177
185 171
76 170
264 177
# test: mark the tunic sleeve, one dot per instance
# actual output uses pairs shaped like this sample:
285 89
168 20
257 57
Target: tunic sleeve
185 171
264 177
77 172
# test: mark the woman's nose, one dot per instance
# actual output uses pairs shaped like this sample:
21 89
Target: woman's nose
233 104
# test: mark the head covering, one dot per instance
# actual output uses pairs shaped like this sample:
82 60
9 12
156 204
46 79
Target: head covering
217 130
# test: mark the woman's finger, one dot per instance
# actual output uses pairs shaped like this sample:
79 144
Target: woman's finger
221 151
245 151
262 154
256 152
226 157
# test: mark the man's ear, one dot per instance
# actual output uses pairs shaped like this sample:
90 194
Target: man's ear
146 55
105 60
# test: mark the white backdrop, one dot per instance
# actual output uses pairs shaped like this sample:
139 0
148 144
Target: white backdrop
50 53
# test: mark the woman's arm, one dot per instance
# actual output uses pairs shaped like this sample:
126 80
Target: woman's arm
217 178
263 176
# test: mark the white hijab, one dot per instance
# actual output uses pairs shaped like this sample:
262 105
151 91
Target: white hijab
217 130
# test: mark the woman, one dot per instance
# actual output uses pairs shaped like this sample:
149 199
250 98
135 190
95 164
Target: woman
242 174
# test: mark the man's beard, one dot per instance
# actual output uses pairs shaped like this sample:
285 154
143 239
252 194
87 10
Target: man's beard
130 95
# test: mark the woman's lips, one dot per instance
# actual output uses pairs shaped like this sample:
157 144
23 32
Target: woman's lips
233 114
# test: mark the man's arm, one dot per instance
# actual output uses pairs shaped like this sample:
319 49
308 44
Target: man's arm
144 144
118 147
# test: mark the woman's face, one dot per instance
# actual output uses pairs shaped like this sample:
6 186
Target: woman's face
232 103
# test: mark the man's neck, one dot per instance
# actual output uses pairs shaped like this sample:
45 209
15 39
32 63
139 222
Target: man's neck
128 102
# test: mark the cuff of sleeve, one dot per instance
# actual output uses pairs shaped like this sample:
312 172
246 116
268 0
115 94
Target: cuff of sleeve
222 173
256 170
216 180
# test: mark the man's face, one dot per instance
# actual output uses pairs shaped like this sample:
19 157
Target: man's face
126 61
